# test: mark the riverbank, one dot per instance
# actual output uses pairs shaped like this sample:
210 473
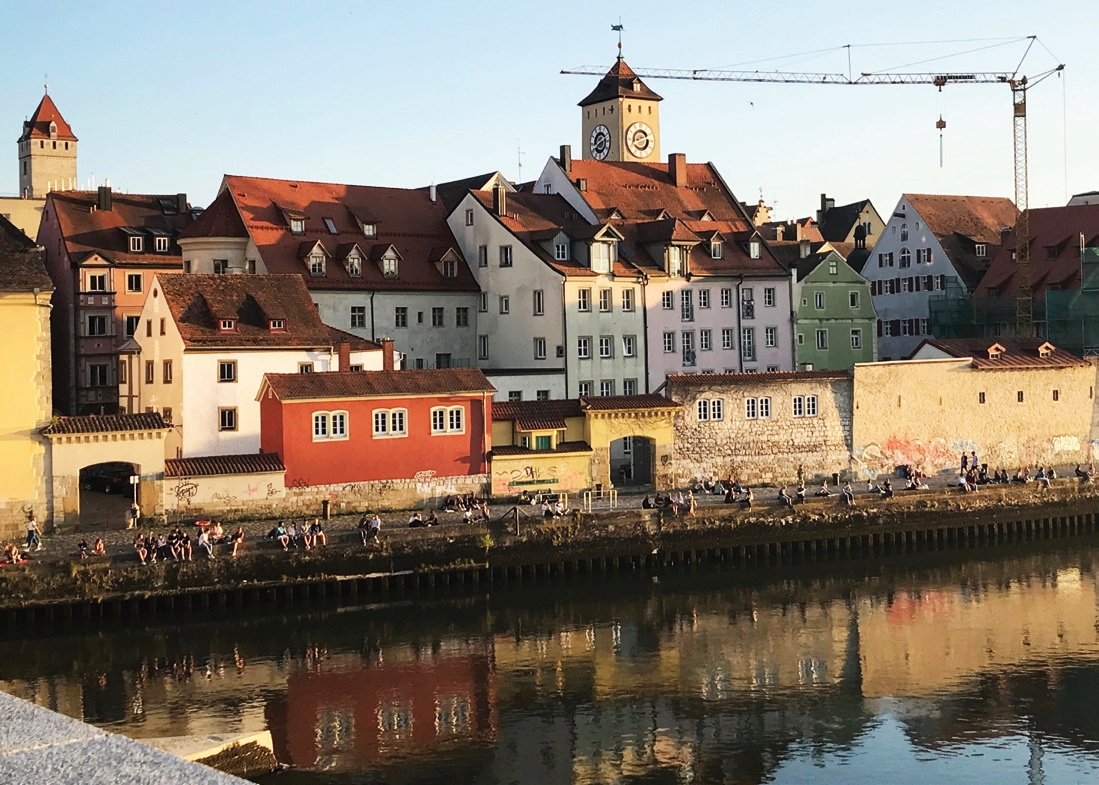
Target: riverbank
519 543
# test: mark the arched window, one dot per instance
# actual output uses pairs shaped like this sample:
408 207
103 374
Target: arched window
906 257
904 233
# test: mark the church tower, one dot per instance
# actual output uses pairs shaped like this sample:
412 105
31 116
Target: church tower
621 118
47 153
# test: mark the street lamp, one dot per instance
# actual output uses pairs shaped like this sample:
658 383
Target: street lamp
135 511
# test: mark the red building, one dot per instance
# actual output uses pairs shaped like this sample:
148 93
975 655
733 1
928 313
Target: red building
361 426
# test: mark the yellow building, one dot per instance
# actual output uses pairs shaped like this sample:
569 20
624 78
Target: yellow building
621 120
1013 402
25 292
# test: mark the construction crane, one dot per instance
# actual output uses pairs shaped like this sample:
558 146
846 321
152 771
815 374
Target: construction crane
1019 84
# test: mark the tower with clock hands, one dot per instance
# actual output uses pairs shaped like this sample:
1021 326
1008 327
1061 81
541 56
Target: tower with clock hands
621 118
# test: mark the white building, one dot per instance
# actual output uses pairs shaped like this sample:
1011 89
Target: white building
204 343
931 244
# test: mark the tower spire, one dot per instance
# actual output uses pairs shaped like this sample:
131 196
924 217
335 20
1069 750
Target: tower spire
618 28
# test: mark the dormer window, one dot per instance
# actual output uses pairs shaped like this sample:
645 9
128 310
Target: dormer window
561 251
995 350
53 130
981 250
297 226
716 249
330 225
601 257
316 265
675 260
354 267
1046 349
754 249
162 244
276 325
450 268
370 230
227 325
389 267
137 244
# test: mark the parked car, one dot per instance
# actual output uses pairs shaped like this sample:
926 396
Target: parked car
107 477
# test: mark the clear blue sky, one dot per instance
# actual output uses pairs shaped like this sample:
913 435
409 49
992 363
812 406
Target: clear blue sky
167 98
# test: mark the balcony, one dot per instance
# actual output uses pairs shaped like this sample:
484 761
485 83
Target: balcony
96 299
748 309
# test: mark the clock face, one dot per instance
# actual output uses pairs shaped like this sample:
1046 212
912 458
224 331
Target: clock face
639 140
600 142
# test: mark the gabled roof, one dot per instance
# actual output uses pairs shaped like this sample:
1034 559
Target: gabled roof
220 219
452 192
198 302
1054 251
556 411
38 127
707 379
619 82
980 218
1013 352
615 403
403 217
840 220
89 230
375 384
22 263
106 423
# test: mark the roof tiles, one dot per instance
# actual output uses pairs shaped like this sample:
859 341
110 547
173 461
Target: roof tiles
706 379
611 403
214 465
619 81
106 423
38 127
1017 353
557 410
22 263
89 230
371 384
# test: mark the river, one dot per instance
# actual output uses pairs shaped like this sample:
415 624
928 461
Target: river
951 667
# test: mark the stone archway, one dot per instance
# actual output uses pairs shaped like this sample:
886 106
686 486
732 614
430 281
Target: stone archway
632 461
77 443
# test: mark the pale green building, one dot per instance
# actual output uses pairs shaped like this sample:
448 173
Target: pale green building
835 325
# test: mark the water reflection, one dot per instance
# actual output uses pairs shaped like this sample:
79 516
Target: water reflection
918 670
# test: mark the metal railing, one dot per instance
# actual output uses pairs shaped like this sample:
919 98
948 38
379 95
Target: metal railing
610 494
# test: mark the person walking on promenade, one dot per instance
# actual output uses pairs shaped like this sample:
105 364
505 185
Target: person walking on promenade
965 463
34 536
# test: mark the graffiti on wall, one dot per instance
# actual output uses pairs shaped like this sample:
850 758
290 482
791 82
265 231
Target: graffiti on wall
185 491
939 455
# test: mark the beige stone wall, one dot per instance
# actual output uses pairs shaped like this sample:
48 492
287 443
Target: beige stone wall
26 214
926 412
762 450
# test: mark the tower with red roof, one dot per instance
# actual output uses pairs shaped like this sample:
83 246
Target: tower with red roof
47 152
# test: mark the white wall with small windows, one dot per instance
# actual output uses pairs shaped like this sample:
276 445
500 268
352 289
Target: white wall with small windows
761 428
527 385
221 255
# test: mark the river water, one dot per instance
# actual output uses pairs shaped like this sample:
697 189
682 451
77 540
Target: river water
956 667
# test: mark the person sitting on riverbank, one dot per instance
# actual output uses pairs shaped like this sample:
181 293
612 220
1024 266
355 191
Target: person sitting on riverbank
1042 477
11 554
205 545
692 504
749 497
99 549
916 484
237 540
525 497
431 520
416 521
887 489
848 494
139 546
82 549
1023 475
822 491
280 535
718 489
1086 477
216 533
372 529
646 503
547 509
784 498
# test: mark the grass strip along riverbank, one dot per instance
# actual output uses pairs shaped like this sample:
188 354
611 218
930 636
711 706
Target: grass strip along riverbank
517 544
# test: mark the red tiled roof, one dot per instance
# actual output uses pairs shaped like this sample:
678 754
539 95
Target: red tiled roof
404 217
698 379
89 230
357 344
104 423
1018 353
198 302
1054 251
619 81
610 403
370 384
979 218
557 410
213 465
514 449
220 219
38 127
22 263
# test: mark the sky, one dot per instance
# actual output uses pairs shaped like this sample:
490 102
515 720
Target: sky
167 98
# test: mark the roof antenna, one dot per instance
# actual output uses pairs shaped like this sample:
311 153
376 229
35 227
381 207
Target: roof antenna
618 28
46 86
519 157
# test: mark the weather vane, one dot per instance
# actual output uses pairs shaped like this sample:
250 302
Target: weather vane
618 28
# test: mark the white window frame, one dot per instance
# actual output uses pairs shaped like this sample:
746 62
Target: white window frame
703 298
629 345
667 301
162 244
389 267
669 343
390 423
818 301
140 283
627 300
810 406
799 406
822 339
606 300
726 298
606 388
316 265
717 409
505 256
505 304
727 338
770 337
583 347
856 338
482 347
717 249
137 244
750 409
768 297
539 348
583 300
702 409
438 419
561 252
765 408
456 419
354 267
469 218
539 302
705 340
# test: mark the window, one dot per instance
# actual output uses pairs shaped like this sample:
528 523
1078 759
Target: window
97 325
389 267
505 256
703 298
856 339
137 244
370 230
542 395
716 249
627 299
904 233
297 226
583 299
748 343
705 340
687 341
629 346
305 367
905 258
539 348
539 302
686 305
923 256
221 266
667 301
164 331
482 306
167 371
703 409
726 338
227 418
450 268
561 251
150 372
764 408
1019 396
833 267
461 317
358 316
754 249
122 375
810 406
583 347
97 375
400 316
981 250
438 420
316 265
456 419
583 389
355 368
227 370
132 323
853 299
338 422
1056 395
669 343
801 339
822 339
726 298
885 260
97 282
750 410
905 284
277 325
818 300
330 225
482 256
770 337
469 218
398 422
629 386
769 297
606 347
482 347
320 426
605 300
799 406
601 257
606 387
133 282
940 283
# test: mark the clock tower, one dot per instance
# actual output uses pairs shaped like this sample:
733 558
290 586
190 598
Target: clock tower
621 118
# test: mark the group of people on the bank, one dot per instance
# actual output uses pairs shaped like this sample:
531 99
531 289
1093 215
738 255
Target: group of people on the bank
176 544
304 535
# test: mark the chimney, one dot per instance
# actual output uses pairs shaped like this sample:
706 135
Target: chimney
344 350
566 158
581 184
499 201
1004 232
181 203
432 194
104 201
804 248
677 168
826 204
387 354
